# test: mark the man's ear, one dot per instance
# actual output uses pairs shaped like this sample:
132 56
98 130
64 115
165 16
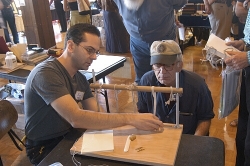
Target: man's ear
70 45
179 66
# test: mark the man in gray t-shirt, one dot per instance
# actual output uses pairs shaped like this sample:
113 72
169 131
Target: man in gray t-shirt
58 98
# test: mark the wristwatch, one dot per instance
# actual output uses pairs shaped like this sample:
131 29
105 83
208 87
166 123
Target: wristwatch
247 49
245 4
246 45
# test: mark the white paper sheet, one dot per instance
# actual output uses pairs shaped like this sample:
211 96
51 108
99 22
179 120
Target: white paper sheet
97 140
182 33
219 45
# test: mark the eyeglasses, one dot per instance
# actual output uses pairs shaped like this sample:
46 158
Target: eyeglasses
91 51
159 66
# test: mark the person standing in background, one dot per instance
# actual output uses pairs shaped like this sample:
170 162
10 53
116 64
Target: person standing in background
220 14
9 17
75 17
2 24
60 13
241 60
241 13
117 38
147 21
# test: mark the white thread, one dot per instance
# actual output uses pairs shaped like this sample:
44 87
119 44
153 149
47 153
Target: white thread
93 75
100 88
131 87
133 99
154 96
77 163
96 92
213 59
171 97
116 99
204 57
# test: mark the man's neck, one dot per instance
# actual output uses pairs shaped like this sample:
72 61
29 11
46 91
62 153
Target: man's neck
66 62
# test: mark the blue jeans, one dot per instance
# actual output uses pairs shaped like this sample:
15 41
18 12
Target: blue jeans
140 51
243 128
9 18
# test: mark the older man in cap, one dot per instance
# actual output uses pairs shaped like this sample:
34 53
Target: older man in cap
196 104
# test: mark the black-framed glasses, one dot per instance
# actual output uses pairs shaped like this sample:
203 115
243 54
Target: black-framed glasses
159 66
91 51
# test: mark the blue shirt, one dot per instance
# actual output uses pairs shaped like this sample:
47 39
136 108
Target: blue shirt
195 103
154 20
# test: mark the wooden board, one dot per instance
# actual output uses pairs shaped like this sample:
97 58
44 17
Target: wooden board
160 148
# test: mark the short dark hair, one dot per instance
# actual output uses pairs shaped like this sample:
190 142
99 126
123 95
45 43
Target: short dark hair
77 33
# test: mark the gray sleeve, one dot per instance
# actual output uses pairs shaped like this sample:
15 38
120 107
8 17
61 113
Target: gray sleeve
48 84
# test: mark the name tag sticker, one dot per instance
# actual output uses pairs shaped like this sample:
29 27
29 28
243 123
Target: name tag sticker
79 95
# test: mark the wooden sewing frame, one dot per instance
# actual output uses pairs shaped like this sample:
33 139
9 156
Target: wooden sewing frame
159 147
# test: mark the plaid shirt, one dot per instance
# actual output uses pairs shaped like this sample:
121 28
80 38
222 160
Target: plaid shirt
247 29
2 24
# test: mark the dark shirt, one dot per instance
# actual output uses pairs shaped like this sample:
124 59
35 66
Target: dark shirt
73 6
108 5
195 103
47 82
154 20
6 3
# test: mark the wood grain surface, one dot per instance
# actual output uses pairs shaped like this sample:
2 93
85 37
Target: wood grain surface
159 148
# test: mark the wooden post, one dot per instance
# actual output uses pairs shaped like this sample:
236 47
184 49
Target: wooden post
37 22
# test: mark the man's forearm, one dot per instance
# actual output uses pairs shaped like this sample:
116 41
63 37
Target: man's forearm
67 108
203 127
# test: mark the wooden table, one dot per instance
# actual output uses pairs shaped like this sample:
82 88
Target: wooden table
192 151
196 23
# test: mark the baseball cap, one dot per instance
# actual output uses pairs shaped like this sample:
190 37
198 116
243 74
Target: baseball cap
164 52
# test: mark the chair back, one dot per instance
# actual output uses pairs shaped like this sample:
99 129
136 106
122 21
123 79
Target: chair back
8 117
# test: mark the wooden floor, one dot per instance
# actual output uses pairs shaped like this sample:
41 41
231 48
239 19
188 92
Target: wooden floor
220 128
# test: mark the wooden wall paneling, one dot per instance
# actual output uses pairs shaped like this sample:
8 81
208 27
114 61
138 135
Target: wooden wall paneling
38 23
29 22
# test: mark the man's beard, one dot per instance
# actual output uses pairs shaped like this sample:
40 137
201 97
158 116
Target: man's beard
133 4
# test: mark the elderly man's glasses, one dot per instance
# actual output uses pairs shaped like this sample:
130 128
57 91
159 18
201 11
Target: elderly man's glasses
159 66
91 51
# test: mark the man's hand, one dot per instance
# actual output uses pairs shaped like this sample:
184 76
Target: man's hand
239 44
238 60
145 121
178 23
208 9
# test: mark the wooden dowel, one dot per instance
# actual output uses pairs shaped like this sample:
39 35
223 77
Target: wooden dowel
135 88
